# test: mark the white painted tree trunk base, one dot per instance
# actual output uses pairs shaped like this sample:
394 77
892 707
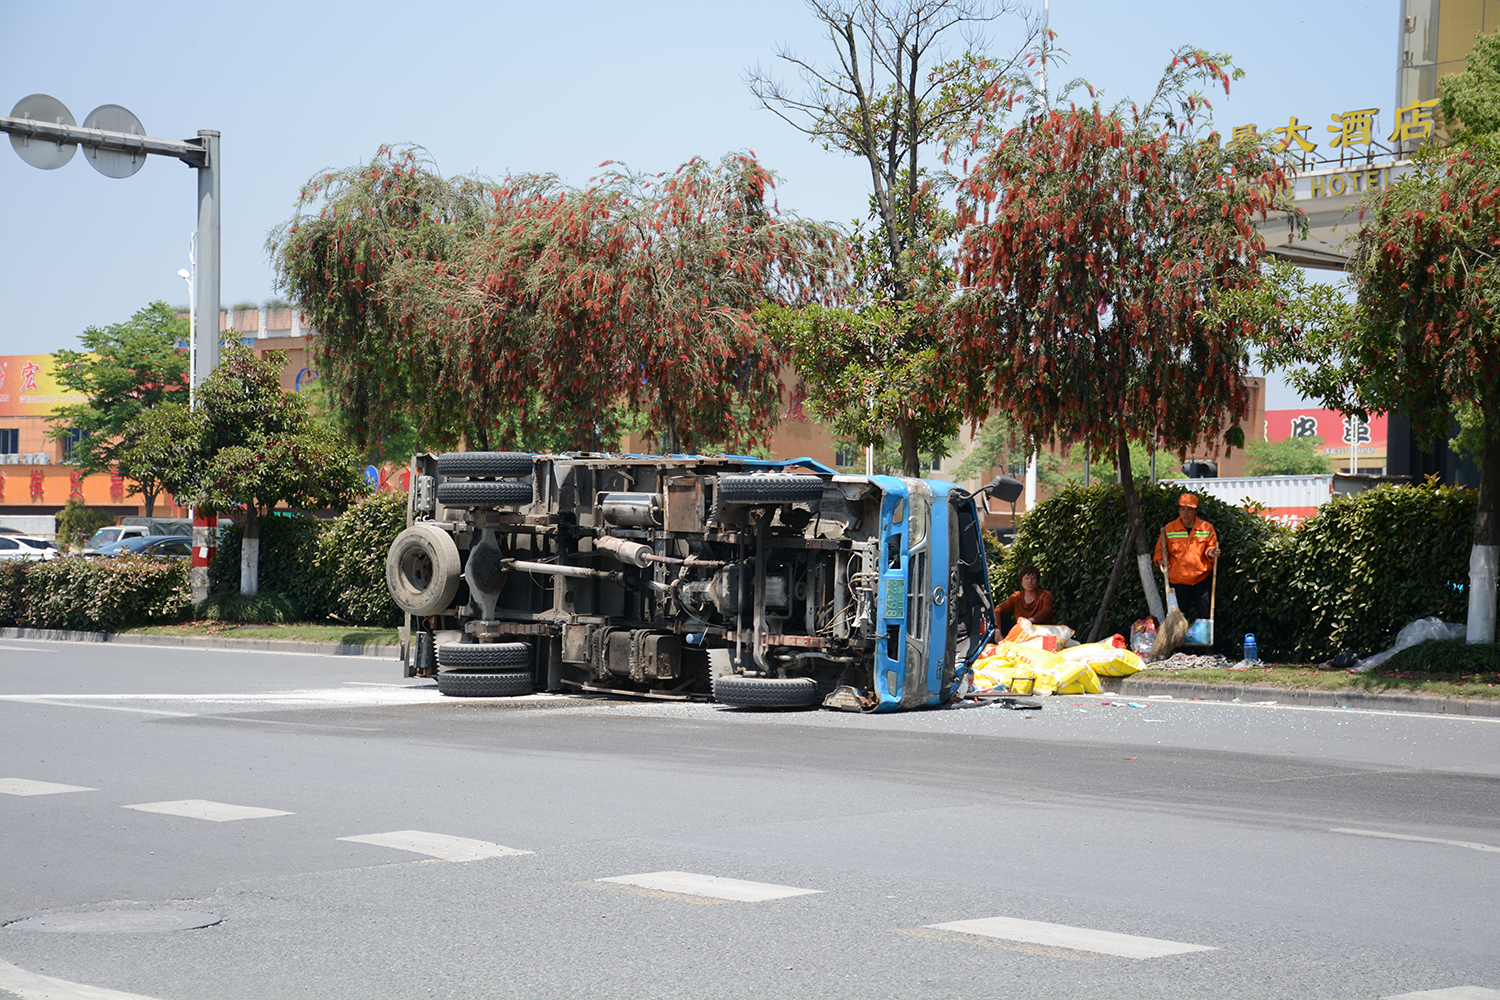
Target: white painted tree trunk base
1148 584
1483 562
249 565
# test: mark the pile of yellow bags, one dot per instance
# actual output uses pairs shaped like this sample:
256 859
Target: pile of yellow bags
1027 668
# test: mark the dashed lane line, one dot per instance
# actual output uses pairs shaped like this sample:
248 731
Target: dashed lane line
214 812
1077 938
436 845
690 884
25 786
1424 840
1452 993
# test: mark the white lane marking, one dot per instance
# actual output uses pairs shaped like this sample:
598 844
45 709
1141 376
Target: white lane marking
1425 840
31 986
25 786
400 694
1077 938
32 649
436 845
44 700
689 884
216 812
1452 993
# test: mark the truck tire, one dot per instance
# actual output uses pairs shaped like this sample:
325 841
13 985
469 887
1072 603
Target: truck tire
484 683
422 569
484 655
776 487
485 464
483 493
765 692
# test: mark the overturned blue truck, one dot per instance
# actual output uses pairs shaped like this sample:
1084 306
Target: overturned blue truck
754 583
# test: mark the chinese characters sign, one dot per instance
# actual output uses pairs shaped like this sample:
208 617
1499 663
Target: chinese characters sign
1350 132
28 388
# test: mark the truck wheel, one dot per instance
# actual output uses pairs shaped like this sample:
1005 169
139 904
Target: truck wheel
484 683
484 655
485 464
765 692
779 487
422 569
482 493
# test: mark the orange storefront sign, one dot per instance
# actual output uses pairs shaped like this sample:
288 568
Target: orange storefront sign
54 485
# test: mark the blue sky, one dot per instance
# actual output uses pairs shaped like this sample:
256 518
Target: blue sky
496 87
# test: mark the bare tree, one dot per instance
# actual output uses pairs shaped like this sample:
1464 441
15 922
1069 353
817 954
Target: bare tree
908 79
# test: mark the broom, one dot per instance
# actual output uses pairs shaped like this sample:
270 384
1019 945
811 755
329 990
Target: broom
1172 631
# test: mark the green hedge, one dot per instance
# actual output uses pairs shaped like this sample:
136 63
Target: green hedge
1349 578
321 568
94 595
351 557
288 561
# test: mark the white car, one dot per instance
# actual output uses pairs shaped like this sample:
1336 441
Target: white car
28 547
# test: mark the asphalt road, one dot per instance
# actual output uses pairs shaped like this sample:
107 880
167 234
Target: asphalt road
1150 849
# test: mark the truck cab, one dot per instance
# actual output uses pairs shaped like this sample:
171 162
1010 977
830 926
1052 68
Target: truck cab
755 583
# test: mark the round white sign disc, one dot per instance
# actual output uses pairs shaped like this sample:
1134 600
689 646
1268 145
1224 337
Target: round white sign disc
110 162
42 152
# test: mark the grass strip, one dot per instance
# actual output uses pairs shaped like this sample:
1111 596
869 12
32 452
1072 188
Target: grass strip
302 632
1298 677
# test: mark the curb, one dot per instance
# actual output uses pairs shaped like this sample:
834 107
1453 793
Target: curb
391 651
1347 698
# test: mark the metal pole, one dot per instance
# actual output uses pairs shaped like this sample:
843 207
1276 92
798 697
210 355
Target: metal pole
205 529
208 258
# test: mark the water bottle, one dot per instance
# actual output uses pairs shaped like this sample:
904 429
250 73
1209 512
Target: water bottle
1252 654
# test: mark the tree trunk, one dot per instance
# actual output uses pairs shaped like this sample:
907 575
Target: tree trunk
1486 552
1142 552
250 552
150 497
1114 582
911 462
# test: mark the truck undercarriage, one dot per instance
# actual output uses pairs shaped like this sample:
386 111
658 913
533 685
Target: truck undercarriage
687 577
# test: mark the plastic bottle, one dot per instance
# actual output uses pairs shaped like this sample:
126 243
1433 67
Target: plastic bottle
1252 654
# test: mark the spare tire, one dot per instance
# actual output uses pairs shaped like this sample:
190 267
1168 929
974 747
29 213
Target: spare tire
422 569
485 464
484 684
765 692
484 493
769 487
484 655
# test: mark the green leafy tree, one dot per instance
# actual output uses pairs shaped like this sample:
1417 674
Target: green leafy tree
123 369
523 312
1422 336
1293 456
76 523
156 451
1094 239
257 447
1470 101
893 95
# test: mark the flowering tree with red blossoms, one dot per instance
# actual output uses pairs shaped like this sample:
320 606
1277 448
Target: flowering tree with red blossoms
1093 240
521 311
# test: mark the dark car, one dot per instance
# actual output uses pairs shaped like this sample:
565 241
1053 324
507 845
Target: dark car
174 546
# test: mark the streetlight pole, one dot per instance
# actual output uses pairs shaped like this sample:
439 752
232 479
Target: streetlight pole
187 276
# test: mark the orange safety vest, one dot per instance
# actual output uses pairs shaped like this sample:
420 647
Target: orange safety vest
1187 553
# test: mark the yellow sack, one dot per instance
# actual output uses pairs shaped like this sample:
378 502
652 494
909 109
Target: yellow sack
1043 663
1000 677
1067 677
1084 681
1106 660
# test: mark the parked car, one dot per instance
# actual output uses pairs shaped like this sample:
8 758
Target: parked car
27 547
136 527
105 537
172 546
